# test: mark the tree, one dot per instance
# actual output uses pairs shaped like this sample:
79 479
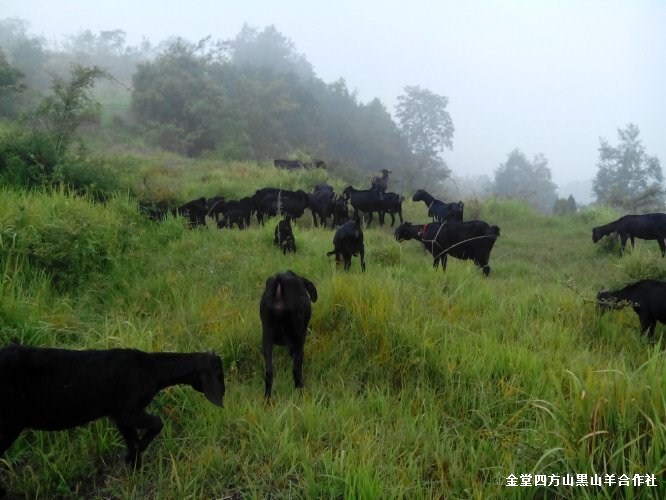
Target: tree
25 52
11 84
428 128
627 178
70 105
526 180
564 206
33 156
177 99
268 48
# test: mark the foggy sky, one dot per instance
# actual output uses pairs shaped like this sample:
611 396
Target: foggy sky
544 76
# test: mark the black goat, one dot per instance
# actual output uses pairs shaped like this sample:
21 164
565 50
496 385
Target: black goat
268 202
438 210
381 183
365 200
321 203
645 227
232 217
154 214
392 204
54 389
284 237
237 212
288 164
348 241
215 206
340 211
195 211
471 240
285 309
297 164
646 297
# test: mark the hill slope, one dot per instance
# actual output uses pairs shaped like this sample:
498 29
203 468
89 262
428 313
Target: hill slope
418 383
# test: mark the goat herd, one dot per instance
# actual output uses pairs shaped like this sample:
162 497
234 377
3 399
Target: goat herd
54 389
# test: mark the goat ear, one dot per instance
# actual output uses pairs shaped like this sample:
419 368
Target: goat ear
212 380
311 289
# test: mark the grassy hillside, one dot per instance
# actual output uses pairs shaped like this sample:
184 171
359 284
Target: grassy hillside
419 384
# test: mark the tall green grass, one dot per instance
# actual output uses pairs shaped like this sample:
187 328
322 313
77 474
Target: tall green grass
419 383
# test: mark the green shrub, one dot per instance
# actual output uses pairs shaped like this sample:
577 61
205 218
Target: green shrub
64 236
27 158
89 176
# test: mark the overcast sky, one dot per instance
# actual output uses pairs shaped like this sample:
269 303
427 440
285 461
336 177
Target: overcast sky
544 76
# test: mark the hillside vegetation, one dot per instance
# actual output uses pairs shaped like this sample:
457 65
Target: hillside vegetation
418 383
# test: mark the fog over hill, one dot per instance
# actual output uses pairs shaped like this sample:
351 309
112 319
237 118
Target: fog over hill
545 77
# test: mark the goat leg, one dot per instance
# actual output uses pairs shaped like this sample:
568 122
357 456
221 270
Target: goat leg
268 370
647 325
152 426
131 438
297 368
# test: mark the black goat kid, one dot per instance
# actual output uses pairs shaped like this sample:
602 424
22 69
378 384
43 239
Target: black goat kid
54 389
348 241
284 237
285 309
646 297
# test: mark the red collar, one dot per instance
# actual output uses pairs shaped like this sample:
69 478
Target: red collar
423 230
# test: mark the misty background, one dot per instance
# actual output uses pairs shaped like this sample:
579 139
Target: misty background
548 79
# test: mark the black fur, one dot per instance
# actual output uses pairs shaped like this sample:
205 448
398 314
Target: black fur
348 241
646 297
285 309
54 389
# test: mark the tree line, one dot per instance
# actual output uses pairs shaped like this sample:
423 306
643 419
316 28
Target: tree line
254 97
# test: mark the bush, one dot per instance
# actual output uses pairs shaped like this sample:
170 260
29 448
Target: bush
88 176
27 158
66 237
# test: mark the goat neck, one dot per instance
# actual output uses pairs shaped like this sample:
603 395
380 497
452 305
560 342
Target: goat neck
173 368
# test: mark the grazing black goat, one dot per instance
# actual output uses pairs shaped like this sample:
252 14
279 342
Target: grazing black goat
285 309
647 298
438 210
645 227
154 214
284 237
288 164
231 217
195 211
365 200
237 212
215 206
297 164
54 389
340 211
321 203
268 202
348 241
392 204
471 240
381 183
